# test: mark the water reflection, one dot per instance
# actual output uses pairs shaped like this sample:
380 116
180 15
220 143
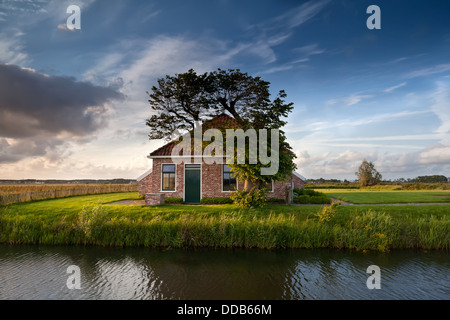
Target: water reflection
33 272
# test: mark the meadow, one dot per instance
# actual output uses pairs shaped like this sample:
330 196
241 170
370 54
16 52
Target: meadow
92 220
23 193
383 196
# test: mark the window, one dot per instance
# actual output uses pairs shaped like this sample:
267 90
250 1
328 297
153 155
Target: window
229 181
168 177
269 186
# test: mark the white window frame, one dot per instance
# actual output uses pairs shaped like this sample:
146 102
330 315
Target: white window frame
273 187
161 187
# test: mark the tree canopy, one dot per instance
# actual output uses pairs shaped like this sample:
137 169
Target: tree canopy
367 174
178 101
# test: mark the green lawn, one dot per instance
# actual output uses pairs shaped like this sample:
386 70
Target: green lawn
87 220
375 197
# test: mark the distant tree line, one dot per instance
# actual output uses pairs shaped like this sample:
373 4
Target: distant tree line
424 179
322 180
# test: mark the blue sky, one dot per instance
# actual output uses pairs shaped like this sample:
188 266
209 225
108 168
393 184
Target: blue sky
74 103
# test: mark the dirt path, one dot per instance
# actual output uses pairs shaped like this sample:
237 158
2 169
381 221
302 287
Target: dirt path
343 203
129 202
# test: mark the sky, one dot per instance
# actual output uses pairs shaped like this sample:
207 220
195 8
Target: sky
73 103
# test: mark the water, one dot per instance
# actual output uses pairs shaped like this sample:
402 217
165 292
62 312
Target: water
35 272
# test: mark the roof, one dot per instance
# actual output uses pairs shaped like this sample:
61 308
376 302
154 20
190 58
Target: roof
298 175
222 121
142 176
165 150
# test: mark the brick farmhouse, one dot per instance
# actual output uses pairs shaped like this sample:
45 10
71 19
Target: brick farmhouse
193 179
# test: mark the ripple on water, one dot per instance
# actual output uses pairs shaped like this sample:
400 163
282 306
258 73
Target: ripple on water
132 274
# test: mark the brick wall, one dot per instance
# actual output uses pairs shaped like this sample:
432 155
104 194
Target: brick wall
154 199
145 185
298 183
212 181
155 185
211 177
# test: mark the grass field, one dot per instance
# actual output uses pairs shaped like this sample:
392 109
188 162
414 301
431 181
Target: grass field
363 196
88 220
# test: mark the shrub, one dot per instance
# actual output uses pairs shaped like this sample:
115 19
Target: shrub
173 200
306 192
308 196
216 200
255 198
313 200
327 212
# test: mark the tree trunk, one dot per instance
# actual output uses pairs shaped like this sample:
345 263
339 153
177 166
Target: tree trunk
248 185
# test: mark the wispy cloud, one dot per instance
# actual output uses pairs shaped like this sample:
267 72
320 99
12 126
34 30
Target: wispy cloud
411 137
304 55
298 16
429 71
441 107
353 122
63 27
356 98
12 48
309 50
278 30
390 89
350 100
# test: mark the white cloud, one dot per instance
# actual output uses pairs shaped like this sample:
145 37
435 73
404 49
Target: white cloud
411 137
309 50
332 165
441 107
63 27
439 154
325 126
356 98
342 165
390 89
429 71
351 100
12 49
300 15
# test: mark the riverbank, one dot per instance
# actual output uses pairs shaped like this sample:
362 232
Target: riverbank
86 220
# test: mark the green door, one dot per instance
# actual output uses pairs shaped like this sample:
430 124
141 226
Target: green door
192 183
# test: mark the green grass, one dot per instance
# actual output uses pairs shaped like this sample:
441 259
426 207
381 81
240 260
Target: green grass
88 220
376 197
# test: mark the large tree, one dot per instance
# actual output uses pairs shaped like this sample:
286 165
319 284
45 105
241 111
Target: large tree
178 101
367 174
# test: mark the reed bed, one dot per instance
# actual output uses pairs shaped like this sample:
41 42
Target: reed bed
10 194
223 226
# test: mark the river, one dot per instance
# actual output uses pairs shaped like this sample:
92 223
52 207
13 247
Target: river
41 272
